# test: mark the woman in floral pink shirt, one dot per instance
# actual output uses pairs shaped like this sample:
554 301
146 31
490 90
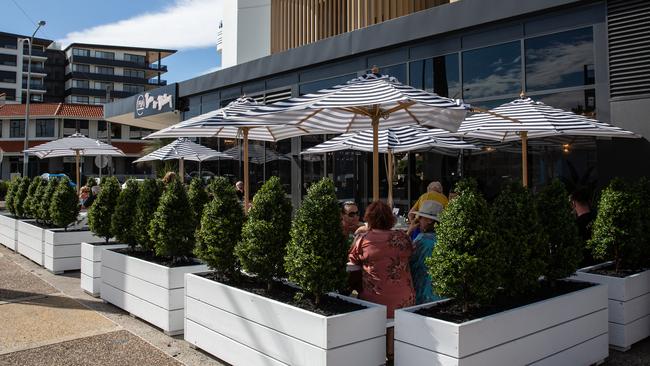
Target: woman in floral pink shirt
384 257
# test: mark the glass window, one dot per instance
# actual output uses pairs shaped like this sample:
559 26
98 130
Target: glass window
134 73
116 130
130 88
560 60
396 71
7 76
17 128
80 52
492 71
104 54
446 76
80 99
134 58
105 70
72 126
80 68
579 101
8 60
315 86
80 84
102 85
421 74
136 133
45 128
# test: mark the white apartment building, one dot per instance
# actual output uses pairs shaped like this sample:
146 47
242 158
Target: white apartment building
14 61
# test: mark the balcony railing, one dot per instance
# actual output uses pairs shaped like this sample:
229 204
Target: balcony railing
156 82
116 62
34 86
39 69
34 52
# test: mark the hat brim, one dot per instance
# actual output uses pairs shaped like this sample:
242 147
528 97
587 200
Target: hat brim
429 216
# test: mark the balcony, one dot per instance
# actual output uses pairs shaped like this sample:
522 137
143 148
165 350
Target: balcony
35 53
35 69
155 82
101 93
116 63
35 86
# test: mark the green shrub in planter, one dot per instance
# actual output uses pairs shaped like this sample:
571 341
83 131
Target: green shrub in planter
172 226
466 262
265 234
146 205
198 197
4 187
616 232
9 199
317 252
220 230
64 208
123 224
100 214
37 201
91 182
29 206
564 246
43 209
20 195
643 193
519 230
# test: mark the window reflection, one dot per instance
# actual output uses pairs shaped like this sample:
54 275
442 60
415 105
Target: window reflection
579 101
421 74
560 60
324 84
492 71
446 76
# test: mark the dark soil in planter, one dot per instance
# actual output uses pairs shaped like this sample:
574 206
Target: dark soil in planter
609 271
54 228
102 243
452 310
287 294
163 261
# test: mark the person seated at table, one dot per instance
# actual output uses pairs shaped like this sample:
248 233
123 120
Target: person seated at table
349 219
84 193
434 193
427 217
94 191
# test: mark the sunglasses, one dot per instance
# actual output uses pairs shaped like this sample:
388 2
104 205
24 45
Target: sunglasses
353 214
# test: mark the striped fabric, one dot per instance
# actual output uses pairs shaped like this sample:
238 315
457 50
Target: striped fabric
257 154
504 123
220 123
183 148
399 139
68 146
344 108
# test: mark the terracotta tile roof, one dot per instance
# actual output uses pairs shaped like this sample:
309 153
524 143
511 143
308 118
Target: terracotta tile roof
53 110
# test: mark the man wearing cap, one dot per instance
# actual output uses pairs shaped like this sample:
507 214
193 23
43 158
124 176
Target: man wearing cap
434 193
423 247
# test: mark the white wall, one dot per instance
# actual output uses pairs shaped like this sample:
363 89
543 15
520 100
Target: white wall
246 31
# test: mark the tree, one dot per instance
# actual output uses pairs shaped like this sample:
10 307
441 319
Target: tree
29 206
37 201
11 191
643 192
220 230
616 232
265 234
91 182
524 242
564 246
20 195
172 226
43 210
100 214
122 222
65 204
4 187
317 252
198 198
466 263
147 203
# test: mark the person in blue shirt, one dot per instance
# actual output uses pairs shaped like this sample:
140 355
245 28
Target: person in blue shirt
423 247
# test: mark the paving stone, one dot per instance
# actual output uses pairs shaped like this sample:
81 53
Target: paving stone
16 282
120 348
36 322
639 355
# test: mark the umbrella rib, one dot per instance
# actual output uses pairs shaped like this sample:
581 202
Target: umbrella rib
401 105
481 110
413 116
270 133
354 116
309 116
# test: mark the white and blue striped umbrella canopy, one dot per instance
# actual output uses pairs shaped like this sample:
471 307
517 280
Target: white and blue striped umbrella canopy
183 148
68 146
507 121
257 154
221 123
349 107
398 139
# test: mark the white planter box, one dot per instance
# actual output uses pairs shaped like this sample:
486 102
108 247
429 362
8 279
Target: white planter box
8 230
242 328
569 330
29 240
91 265
62 249
629 305
147 290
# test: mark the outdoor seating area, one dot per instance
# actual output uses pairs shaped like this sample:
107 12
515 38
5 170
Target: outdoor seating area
524 278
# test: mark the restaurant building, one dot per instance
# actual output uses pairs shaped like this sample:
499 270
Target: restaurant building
589 57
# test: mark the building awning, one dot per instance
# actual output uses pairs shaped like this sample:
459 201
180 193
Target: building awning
148 115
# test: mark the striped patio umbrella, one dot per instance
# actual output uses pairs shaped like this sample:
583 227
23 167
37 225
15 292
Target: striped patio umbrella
221 123
183 149
371 101
76 145
524 118
257 154
391 141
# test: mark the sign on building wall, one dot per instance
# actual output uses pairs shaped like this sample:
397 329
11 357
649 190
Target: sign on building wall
155 101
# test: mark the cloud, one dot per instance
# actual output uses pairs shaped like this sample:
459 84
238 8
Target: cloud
185 24
548 67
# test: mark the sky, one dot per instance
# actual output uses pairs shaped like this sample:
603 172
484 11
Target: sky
189 26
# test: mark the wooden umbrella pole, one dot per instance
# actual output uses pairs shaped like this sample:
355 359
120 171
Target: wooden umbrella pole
375 157
246 183
181 169
76 153
390 178
524 158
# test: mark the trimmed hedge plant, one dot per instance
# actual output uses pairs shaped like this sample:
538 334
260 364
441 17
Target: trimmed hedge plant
171 228
29 206
146 205
9 199
64 208
43 210
220 230
122 221
4 187
20 195
317 252
198 197
100 214
265 234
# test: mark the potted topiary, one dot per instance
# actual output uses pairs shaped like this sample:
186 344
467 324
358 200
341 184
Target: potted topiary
29 206
198 197
8 221
619 238
4 187
100 214
243 322
484 323
29 237
122 224
151 285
